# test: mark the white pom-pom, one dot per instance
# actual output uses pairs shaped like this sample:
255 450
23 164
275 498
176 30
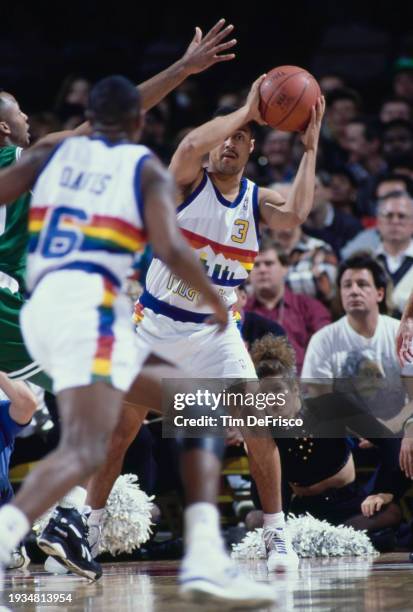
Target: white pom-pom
126 522
310 537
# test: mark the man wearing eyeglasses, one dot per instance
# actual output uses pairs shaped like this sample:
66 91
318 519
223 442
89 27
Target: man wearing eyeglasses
395 250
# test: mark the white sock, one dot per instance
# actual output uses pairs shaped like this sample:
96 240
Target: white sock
201 523
74 499
96 516
14 525
274 521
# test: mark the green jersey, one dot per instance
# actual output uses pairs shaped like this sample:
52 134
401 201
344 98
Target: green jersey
14 235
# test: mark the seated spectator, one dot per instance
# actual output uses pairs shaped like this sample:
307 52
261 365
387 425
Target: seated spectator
71 101
398 146
300 315
363 143
343 191
395 250
369 239
276 162
343 105
320 472
326 222
395 108
253 326
312 262
357 352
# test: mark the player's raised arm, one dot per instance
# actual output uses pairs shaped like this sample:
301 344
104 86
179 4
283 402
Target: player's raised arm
278 213
158 190
187 162
20 177
202 53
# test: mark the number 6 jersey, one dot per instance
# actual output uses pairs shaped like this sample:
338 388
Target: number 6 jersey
87 209
224 235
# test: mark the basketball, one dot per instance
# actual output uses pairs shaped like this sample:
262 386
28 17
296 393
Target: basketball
287 95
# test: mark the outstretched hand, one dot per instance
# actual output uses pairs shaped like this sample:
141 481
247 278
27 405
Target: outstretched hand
204 52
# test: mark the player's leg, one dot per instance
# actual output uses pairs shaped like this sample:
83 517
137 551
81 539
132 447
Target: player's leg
89 414
225 355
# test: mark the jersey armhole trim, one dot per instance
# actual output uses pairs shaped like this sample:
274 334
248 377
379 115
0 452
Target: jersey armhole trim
256 210
194 194
137 187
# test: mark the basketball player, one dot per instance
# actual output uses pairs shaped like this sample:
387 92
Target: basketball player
218 213
104 195
202 53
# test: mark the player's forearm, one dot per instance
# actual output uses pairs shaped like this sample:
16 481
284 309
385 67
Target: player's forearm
301 197
156 88
213 133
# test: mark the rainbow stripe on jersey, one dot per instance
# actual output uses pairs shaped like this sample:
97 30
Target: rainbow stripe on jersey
244 257
100 232
102 361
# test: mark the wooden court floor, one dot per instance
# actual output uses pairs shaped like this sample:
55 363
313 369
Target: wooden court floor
342 585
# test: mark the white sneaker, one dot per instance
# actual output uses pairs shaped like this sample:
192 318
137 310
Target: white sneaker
280 553
94 536
211 576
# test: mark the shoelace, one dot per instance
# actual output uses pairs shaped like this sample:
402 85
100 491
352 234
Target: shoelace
275 541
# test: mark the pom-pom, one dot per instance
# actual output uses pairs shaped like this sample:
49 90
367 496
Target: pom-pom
310 537
126 522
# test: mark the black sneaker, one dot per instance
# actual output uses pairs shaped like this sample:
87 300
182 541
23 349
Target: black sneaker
65 538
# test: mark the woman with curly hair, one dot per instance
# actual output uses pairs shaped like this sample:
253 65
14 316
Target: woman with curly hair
319 472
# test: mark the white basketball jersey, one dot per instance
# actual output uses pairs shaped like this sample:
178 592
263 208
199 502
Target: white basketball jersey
224 235
87 209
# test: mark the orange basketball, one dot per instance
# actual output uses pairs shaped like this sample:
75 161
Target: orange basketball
287 95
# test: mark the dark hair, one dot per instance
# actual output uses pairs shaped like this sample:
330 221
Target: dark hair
343 93
114 99
343 171
363 260
408 182
398 123
223 111
267 243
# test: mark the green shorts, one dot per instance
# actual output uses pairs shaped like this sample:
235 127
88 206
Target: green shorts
14 358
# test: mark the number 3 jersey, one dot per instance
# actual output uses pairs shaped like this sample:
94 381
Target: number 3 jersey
87 209
224 235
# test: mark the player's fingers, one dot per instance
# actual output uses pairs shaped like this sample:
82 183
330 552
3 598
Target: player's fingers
224 46
223 34
224 58
364 509
215 29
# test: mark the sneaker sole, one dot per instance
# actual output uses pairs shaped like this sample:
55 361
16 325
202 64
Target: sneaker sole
56 550
201 592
